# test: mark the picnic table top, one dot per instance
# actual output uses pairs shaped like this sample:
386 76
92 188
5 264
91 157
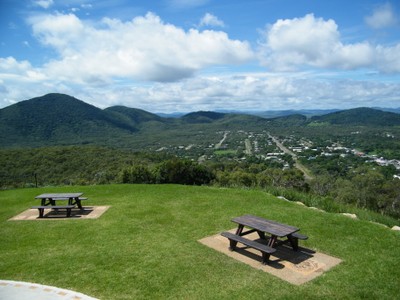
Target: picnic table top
265 225
59 195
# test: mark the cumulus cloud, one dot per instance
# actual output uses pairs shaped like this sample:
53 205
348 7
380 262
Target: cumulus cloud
309 41
211 20
44 3
105 63
383 16
253 92
10 68
144 48
241 91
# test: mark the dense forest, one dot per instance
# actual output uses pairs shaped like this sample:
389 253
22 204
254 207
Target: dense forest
355 183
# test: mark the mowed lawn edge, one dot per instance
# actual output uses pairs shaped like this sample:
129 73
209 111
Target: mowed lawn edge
146 246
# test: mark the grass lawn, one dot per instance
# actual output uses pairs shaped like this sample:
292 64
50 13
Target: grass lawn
145 246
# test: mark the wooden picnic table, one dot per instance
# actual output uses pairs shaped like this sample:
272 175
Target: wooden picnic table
49 201
269 232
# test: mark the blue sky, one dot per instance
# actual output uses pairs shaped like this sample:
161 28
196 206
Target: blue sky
177 55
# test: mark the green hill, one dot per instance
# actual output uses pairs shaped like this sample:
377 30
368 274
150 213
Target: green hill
359 116
202 117
287 121
134 116
57 119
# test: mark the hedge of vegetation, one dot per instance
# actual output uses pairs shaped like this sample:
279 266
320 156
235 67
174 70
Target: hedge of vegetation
362 187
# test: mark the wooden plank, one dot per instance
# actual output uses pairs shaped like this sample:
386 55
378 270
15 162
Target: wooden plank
265 225
247 242
41 209
299 236
234 238
53 206
58 195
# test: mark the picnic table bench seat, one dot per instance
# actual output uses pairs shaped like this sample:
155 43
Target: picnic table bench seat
41 208
292 239
234 239
299 236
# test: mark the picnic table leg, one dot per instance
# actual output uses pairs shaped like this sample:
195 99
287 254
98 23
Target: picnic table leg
77 202
239 230
261 234
41 212
265 258
272 241
232 243
294 242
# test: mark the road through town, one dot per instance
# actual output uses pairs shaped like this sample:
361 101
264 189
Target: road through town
298 165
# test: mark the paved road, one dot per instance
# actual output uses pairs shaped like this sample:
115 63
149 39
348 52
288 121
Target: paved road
247 143
217 146
298 165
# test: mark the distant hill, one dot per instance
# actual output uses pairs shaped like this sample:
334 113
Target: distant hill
202 117
134 116
359 116
283 113
58 119
289 120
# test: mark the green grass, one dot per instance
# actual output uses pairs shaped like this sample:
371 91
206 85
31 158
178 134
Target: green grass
145 246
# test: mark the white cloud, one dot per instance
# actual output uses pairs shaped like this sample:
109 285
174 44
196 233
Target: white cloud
144 48
252 92
104 63
383 16
246 91
44 3
389 58
314 42
211 20
14 71
10 65
58 30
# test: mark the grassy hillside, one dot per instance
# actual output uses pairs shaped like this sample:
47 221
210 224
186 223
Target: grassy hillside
145 246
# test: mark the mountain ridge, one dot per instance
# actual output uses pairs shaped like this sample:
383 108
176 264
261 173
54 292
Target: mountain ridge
59 119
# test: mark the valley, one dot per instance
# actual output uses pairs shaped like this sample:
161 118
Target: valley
344 157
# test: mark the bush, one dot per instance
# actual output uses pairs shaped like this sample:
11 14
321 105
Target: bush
182 172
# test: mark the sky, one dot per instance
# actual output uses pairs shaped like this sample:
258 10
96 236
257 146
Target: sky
189 55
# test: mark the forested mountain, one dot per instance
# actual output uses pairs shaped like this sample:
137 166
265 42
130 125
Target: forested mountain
290 120
58 119
202 117
360 116
134 116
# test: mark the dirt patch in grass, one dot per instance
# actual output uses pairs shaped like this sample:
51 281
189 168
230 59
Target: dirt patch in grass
88 212
296 267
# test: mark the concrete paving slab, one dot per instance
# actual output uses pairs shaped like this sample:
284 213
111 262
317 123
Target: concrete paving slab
296 267
88 212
